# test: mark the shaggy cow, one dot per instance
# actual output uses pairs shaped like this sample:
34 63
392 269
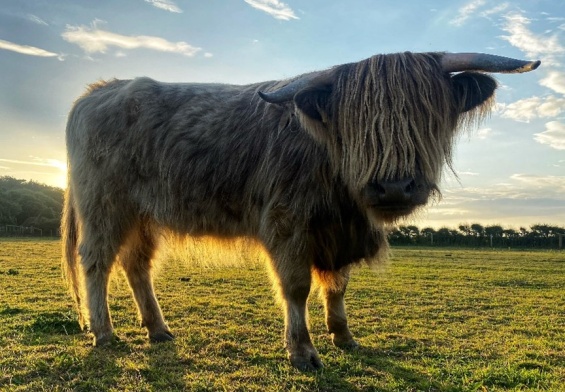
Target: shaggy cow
314 168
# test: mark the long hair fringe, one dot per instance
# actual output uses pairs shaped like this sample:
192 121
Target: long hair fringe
396 118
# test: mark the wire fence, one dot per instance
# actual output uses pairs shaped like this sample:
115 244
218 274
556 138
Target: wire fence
556 241
27 231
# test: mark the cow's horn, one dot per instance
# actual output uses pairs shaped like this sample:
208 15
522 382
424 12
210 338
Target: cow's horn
457 62
286 93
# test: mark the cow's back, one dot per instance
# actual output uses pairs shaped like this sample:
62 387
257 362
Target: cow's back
197 158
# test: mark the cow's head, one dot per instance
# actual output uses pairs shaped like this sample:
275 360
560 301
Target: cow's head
388 122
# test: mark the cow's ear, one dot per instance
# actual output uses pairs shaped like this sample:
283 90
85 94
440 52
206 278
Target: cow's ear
313 101
472 89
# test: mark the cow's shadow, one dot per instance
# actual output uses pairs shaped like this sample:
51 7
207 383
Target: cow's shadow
166 366
174 359
155 365
374 362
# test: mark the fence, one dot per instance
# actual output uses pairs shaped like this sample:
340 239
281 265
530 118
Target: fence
26 231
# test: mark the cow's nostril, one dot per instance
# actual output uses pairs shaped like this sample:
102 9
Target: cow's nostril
411 187
381 190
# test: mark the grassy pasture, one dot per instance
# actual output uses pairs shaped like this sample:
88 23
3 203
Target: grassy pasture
432 320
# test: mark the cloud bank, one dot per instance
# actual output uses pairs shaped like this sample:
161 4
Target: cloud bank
554 136
26 49
166 5
36 19
277 9
533 45
532 108
521 199
95 40
555 80
467 11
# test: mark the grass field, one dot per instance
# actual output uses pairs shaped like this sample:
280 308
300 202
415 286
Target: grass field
432 320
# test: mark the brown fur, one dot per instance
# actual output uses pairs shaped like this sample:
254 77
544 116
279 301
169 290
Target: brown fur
299 177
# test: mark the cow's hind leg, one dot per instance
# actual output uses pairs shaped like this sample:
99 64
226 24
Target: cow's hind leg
332 290
98 253
293 278
135 258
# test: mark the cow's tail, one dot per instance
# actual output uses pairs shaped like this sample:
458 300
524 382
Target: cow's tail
70 266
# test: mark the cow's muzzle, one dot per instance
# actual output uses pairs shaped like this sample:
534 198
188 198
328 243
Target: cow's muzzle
393 199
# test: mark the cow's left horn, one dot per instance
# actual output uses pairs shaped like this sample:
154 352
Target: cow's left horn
458 62
286 93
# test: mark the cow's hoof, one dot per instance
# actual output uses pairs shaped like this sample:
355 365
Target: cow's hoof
306 363
345 344
105 340
161 336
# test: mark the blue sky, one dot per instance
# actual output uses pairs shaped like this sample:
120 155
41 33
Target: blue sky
511 168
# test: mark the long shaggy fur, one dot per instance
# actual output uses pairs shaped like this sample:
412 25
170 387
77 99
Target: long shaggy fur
396 117
216 160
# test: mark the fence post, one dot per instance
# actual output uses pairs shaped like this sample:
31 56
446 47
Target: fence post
560 241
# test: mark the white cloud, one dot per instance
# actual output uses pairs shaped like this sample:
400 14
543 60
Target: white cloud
555 183
531 108
277 9
532 44
94 40
467 173
166 5
517 186
467 11
520 200
25 49
62 166
555 80
483 133
495 10
36 19
49 171
554 136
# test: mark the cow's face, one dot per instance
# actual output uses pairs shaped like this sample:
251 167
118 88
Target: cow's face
389 125
388 122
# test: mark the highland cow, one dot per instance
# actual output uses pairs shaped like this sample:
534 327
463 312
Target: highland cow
314 168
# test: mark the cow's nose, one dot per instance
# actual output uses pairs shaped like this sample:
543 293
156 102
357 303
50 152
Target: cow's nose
395 192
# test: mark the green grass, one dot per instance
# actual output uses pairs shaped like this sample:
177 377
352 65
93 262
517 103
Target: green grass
431 320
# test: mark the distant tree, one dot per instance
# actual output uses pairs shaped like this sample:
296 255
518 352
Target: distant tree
427 236
9 210
546 230
465 229
428 231
477 230
494 230
477 235
509 233
414 231
24 203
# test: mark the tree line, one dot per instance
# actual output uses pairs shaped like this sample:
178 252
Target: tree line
477 235
31 208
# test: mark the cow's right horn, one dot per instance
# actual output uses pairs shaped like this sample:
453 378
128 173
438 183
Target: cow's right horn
286 93
458 62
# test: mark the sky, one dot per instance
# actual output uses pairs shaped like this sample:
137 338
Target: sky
510 169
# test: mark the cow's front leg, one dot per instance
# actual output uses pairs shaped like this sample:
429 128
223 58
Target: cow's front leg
332 290
294 280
